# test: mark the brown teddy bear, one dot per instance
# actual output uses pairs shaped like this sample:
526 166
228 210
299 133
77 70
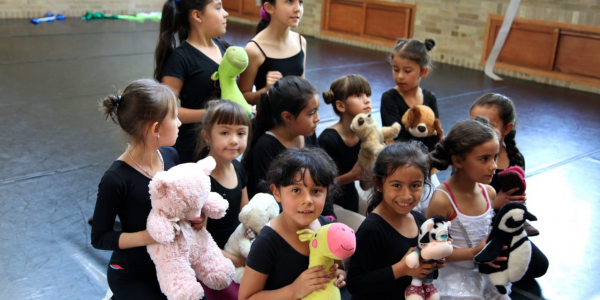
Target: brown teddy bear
420 122
371 138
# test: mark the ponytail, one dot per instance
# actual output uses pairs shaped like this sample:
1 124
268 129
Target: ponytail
508 114
265 18
169 26
262 24
514 155
264 120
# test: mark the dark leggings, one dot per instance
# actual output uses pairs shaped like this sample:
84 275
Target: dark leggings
538 265
126 284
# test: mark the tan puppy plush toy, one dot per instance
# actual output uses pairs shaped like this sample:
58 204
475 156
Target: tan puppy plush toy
371 138
420 122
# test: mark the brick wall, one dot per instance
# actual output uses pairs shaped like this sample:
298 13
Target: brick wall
458 26
10 9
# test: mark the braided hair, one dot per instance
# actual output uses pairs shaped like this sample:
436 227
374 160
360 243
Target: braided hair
508 114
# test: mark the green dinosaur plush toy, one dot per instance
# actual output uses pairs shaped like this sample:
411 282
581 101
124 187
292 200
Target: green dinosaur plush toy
235 61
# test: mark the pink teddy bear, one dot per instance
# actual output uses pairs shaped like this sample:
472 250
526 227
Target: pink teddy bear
183 253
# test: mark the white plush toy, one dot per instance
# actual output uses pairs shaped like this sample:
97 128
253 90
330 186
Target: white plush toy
253 217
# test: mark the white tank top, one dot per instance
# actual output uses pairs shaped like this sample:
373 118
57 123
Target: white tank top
468 228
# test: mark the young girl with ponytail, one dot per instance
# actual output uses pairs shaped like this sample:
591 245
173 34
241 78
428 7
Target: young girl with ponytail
187 54
275 51
123 190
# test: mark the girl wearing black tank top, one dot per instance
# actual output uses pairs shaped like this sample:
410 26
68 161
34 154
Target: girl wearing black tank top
187 69
276 51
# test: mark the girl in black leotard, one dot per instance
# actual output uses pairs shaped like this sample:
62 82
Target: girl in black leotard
187 68
275 51
123 190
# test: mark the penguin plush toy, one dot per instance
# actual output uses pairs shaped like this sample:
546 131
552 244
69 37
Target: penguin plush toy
507 231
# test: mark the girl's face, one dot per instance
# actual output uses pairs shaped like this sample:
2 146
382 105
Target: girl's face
287 12
306 122
302 202
227 141
169 128
407 73
480 163
214 18
355 104
491 113
402 189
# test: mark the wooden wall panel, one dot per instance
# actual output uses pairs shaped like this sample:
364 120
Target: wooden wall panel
346 16
372 21
246 9
578 54
249 7
550 49
529 46
393 28
231 5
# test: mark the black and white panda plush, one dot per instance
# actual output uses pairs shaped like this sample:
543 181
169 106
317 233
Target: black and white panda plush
507 230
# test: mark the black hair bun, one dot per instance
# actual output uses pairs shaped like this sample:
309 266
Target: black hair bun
328 97
483 120
429 44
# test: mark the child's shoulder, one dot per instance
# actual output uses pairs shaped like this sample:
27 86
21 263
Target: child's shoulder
419 217
253 50
329 135
440 202
268 237
391 93
428 95
168 151
373 223
238 167
491 192
267 140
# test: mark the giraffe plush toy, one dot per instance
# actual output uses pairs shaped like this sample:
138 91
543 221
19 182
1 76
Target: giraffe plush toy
335 241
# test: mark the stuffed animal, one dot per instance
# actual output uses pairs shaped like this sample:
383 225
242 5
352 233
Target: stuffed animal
371 138
420 121
179 195
253 217
434 244
234 62
507 230
334 241
511 178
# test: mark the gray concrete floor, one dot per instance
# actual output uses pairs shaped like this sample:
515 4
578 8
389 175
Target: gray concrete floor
55 146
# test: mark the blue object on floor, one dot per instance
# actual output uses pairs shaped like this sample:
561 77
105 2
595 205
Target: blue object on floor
48 18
